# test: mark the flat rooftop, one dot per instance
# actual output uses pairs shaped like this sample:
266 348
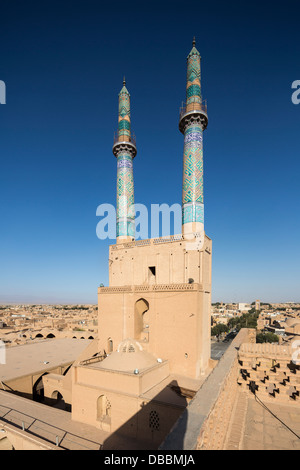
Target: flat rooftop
49 424
40 356
274 426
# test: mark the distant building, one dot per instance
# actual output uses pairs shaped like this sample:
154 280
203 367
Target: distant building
244 307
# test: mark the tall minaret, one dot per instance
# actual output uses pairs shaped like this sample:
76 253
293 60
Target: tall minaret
125 150
193 121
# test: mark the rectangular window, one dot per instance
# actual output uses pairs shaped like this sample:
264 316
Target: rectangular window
152 275
152 270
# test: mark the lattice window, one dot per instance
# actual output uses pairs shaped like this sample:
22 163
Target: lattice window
108 407
154 421
128 347
103 407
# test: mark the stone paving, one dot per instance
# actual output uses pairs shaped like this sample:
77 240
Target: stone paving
263 431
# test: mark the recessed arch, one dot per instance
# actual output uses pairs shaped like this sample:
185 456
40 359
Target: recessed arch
141 308
58 400
38 389
103 407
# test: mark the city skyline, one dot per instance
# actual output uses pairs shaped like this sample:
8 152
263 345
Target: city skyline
58 123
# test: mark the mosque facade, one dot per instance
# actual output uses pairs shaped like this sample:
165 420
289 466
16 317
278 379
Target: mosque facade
154 317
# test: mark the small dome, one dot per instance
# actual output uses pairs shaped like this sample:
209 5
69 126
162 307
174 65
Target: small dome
129 346
129 357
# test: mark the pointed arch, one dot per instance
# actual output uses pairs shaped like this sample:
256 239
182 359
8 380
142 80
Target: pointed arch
140 308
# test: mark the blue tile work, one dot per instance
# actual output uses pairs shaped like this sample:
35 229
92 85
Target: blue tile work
125 184
125 195
192 185
193 88
124 113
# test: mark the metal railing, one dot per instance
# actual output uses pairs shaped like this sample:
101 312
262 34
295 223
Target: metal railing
132 139
193 107
45 431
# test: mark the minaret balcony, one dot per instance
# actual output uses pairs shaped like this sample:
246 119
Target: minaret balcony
193 111
131 139
128 144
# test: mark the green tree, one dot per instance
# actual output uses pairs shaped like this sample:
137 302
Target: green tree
247 320
218 329
267 338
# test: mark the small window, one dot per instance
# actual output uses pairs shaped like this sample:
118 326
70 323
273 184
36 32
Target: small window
152 270
152 274
154 421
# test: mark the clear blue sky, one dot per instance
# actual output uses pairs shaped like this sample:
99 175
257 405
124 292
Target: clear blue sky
63 64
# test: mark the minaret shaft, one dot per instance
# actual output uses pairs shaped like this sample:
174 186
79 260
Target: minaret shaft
192 187
125 197
193 121
125 150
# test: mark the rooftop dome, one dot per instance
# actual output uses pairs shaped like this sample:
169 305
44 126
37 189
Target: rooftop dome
129 357
129 346
292 321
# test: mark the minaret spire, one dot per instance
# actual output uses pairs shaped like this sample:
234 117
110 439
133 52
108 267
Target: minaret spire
193 121
125 150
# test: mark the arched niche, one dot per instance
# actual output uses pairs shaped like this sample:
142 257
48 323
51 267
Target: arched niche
141 323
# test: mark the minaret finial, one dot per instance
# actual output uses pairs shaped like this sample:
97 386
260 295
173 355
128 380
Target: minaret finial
124 81
194 41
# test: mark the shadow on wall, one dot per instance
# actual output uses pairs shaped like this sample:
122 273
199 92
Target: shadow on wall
147 428
57 401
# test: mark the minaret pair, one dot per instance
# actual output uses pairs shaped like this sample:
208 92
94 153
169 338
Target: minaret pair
192 123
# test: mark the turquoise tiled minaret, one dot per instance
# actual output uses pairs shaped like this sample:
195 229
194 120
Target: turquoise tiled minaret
125 150
193 121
